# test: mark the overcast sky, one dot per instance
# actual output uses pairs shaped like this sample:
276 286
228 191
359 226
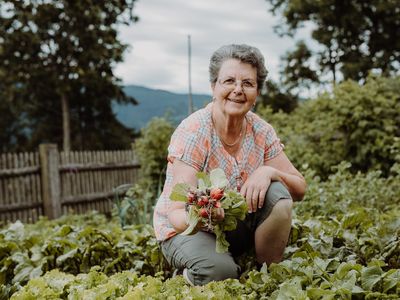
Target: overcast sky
158 56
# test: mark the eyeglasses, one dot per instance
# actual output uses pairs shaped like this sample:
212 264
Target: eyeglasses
230 83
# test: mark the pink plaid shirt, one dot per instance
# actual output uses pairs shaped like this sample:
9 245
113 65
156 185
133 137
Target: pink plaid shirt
196 143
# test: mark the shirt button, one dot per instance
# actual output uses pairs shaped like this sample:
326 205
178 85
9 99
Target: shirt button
243 175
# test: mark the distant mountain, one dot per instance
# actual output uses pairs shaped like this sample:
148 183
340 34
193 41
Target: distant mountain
155 103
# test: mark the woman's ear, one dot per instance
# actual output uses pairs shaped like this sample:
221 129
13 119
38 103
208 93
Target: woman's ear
213 86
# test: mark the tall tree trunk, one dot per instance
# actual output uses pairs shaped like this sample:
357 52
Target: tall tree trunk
332 61
66 123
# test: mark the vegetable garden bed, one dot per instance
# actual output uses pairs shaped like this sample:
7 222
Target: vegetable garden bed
345 244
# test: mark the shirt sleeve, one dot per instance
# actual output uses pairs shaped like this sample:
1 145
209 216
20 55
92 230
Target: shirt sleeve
273 145
189 145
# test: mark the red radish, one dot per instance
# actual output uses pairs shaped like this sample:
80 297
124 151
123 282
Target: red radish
217 193
203 213
203 201
191 197
217 204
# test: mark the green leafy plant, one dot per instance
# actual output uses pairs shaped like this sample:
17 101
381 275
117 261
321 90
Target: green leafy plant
344 244
75 244
152 150
137 204
134 207
123 207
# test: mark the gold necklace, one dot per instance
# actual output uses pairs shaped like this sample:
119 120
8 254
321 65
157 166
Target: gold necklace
222 140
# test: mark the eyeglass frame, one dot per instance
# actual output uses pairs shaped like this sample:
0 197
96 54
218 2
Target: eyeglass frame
235 82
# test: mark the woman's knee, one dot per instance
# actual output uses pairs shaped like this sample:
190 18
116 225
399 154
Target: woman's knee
283 210
217 267
278 201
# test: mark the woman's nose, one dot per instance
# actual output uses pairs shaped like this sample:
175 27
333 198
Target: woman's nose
238 88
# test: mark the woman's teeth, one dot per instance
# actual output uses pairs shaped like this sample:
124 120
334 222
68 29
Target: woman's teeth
236 101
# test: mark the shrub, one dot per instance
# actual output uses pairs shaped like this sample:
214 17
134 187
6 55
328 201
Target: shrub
151 148
358 124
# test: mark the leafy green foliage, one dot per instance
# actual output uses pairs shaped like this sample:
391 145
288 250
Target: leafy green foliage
74 245
151 149
276 98
354 217
127 285
56 63
344 244
354 36
358 124
297 70
130 211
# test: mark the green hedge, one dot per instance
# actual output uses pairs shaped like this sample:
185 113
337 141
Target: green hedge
355 123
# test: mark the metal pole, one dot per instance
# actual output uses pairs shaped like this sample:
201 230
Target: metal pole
190 77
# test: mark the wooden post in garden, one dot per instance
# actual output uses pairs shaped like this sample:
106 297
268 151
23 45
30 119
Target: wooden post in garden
49 158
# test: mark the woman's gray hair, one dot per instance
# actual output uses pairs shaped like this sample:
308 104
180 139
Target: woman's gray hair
244 53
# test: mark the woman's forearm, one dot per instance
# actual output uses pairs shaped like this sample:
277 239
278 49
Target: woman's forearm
182 173
284 171
295 184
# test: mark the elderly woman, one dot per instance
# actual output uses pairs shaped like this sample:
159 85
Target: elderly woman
227 135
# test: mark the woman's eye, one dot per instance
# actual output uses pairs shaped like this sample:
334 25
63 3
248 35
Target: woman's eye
248 84
229 81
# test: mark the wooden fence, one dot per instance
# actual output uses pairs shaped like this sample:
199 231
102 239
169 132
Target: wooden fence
53 183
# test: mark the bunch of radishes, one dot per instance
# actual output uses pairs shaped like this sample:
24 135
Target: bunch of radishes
204 204
206 200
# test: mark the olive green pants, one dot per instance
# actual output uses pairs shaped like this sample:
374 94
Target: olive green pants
197 252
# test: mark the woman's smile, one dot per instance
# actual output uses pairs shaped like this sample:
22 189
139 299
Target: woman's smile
236 100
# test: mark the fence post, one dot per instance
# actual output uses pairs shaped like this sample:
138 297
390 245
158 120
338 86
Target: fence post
49 158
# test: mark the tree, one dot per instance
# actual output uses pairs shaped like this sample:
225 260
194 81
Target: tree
277 99
356 36
56 64
296 75
297 70
12 133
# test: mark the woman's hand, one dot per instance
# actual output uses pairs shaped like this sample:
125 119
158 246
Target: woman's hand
256 186
278 168
217 215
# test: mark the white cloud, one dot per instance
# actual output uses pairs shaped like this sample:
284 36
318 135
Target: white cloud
158 56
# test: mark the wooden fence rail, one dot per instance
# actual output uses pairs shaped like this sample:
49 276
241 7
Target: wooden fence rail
53 183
